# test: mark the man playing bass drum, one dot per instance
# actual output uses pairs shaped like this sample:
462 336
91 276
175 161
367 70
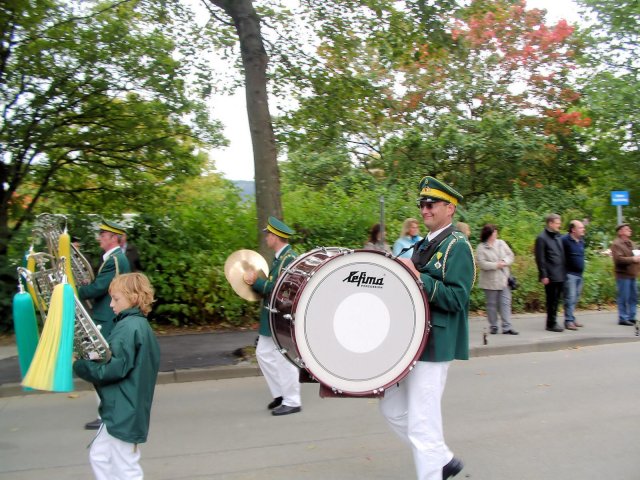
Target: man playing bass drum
444 262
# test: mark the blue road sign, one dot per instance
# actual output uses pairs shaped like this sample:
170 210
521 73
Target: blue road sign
620 198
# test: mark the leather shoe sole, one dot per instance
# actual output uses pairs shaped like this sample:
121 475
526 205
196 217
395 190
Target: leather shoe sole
285 410
94 425
275 403
452 468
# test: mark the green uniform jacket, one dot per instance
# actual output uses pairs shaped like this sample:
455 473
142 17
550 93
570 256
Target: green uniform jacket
265 286
98 291
448 278
127 381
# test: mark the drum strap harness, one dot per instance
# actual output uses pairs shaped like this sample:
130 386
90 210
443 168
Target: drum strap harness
423 251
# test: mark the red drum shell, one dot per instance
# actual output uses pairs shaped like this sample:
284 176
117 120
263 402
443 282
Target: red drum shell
355 320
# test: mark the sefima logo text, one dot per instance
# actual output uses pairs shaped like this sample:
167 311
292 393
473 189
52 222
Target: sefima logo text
361 278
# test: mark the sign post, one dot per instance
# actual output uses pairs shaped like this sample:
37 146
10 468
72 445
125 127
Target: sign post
618 199
382 226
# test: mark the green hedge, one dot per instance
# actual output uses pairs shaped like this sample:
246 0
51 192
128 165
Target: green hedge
185 241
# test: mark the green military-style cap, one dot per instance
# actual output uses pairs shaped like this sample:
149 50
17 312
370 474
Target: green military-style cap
278 228
433 190
112 227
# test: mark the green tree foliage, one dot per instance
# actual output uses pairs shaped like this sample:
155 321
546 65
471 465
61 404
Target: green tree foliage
340 214
94 108
343 83
480 96
95 113
376 94
246 23
184 244
611 82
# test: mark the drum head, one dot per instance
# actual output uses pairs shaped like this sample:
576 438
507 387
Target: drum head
360 322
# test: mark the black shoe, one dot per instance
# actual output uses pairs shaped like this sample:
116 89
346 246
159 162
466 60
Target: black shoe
276 403
94 425
285 410
493 330
452 468
626 322
510 332
555 328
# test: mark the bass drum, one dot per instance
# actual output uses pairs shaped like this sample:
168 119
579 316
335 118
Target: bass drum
355 320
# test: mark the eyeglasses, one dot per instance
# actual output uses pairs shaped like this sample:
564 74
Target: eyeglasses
428 205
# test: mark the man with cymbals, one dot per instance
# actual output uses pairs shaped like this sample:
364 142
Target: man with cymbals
114 262
444 262
281 375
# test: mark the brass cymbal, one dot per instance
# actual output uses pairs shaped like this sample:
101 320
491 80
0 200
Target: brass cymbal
237 264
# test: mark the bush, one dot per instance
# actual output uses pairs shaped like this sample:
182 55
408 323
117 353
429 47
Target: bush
184 242
183 248
335 215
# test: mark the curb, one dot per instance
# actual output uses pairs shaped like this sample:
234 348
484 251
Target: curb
246 369
164 378
547 346
213 373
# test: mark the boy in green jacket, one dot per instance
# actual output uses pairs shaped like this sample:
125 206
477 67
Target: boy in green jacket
126 382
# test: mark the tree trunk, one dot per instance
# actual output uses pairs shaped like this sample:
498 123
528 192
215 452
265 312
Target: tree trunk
254 61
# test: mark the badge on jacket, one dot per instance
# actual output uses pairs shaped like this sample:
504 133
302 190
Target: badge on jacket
438 257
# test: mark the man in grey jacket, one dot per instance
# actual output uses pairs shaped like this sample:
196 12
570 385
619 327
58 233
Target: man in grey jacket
549 254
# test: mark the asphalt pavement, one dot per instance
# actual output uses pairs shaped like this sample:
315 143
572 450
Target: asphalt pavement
569 414
215 356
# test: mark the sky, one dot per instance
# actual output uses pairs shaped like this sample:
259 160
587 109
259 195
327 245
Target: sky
235 162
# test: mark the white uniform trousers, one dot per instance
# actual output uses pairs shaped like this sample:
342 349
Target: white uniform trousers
413 410
113 459
282 377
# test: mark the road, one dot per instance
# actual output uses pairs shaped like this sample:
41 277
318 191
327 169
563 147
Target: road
570 415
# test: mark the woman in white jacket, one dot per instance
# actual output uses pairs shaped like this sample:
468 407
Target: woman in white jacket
494 258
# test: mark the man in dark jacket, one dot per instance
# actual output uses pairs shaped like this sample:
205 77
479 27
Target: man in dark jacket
551 267
131 252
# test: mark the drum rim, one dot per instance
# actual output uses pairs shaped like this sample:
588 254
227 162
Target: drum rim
317 371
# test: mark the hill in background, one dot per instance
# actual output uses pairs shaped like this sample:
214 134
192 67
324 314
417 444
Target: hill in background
247 187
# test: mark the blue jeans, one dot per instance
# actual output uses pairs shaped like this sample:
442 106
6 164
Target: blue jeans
572 292
627 298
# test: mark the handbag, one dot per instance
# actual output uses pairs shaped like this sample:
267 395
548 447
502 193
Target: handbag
512 282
